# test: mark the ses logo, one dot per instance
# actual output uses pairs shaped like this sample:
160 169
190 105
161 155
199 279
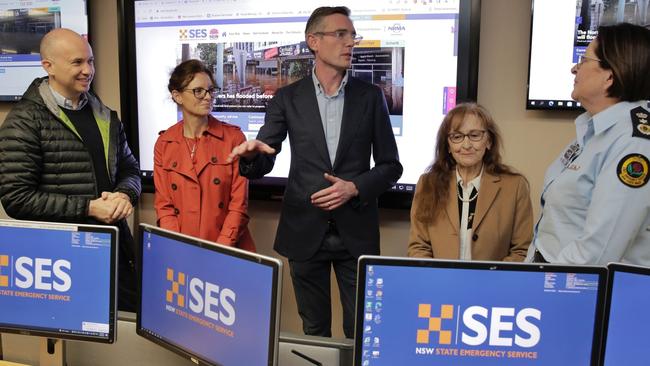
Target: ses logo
198 34
480 326
205 298
36 273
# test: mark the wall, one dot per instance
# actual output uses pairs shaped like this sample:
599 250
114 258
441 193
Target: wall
532 139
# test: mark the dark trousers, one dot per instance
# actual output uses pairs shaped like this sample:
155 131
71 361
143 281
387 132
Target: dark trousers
311 285
127 297
127 284
538 257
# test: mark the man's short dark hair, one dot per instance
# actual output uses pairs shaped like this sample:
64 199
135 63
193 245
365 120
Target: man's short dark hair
318 14
624 48
316 18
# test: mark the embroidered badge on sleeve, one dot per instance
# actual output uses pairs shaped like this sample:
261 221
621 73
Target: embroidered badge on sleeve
632 170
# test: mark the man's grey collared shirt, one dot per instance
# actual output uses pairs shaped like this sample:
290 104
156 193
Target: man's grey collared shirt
331 113
63 102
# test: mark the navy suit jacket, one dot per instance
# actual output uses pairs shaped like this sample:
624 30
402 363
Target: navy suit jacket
365 131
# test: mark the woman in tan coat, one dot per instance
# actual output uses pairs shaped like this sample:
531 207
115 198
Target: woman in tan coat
468 205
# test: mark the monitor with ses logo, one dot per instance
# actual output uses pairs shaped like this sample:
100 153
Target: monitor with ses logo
213 304
430 312
58 281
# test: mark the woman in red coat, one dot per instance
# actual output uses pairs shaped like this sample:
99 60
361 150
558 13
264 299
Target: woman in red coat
197 192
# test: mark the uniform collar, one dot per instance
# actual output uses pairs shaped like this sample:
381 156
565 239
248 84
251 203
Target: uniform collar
604 119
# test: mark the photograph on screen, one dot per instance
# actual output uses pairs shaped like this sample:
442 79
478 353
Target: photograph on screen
425 312
561 32
22 29
22 26
410 50
58 280
248 75
208 302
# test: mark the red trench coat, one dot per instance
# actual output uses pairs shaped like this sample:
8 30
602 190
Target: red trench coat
208 199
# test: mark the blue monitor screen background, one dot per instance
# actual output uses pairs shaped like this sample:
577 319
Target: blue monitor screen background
55 280
629 320
444 316
215 306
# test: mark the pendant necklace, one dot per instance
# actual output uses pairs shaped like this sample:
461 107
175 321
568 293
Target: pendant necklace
192 148
470 199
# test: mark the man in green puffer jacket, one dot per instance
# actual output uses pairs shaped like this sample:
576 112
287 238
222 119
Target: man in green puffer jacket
64 155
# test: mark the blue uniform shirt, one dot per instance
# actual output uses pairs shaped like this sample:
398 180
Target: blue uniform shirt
595 201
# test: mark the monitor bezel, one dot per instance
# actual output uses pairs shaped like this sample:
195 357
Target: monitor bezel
112 316
612 269
274 264
366 260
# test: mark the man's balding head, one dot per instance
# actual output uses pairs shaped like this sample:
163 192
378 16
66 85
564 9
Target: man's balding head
68 60
55 38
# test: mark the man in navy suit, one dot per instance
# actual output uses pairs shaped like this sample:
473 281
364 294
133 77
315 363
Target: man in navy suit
329 213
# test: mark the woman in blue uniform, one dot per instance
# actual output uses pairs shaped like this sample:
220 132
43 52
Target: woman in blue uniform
596 200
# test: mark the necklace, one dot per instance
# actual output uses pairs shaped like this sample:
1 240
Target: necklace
470 199
192 148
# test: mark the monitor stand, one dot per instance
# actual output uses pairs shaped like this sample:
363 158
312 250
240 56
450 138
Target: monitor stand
52 352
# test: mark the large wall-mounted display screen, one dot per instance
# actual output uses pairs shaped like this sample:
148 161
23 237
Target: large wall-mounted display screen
415 51
561 32
22 25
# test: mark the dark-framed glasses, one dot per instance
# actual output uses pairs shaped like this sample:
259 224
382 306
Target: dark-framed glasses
584 58
200 93
473 135
342 35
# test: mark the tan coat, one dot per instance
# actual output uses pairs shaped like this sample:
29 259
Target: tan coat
502 227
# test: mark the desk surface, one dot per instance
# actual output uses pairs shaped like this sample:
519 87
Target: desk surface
131 349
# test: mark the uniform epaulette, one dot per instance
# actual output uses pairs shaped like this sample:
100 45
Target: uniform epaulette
640 122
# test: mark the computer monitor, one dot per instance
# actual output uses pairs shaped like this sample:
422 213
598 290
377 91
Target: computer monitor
213 304
431 312
22 26
58 280
627 316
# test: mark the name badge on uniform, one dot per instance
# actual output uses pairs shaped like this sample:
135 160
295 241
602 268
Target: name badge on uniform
570 154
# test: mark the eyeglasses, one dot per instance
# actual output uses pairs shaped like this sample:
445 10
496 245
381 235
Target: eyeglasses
583 58
200 93
342 35
473 135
